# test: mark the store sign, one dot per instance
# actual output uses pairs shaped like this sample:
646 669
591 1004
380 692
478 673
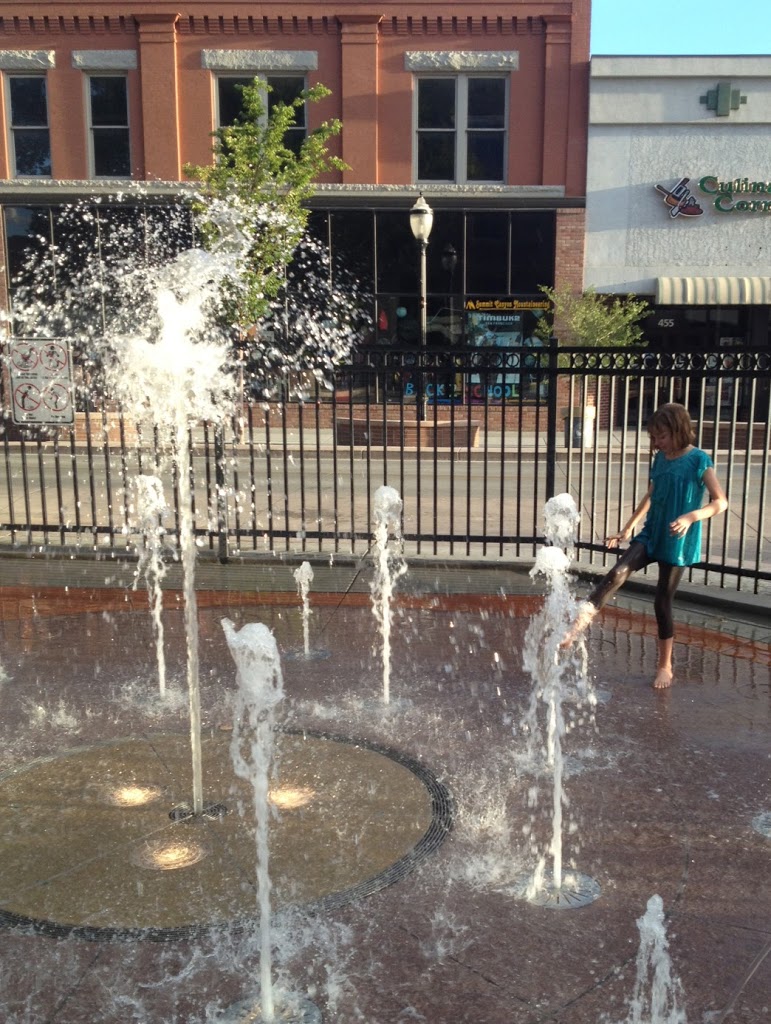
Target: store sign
680 200
41 381
740 195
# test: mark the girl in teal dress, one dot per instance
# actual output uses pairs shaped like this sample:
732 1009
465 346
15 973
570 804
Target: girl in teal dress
673 511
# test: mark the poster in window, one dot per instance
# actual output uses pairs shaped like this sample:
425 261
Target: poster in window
509 325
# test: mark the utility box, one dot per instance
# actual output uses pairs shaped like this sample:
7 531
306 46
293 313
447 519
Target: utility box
579 427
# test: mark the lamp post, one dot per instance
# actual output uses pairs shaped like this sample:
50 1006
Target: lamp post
421 220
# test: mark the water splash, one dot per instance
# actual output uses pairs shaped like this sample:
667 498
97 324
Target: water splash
553 675
260 690
389 567
304 577
146 519
658 994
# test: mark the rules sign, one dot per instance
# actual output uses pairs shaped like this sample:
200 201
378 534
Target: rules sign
41 381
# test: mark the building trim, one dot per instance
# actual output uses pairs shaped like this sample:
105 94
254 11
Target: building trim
104 60
259 60
27 60
461 60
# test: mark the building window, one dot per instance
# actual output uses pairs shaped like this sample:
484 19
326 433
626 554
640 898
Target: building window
109 126
461 128
282 89
30 139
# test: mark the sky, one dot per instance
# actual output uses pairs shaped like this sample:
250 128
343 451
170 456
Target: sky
666 27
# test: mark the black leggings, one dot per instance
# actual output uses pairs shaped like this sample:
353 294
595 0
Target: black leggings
636 557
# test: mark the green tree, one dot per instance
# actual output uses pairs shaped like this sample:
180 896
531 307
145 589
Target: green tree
264 186
595 321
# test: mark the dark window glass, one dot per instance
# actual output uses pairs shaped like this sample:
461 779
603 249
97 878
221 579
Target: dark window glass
111 153
353 246
436 129
397 253
28 102
436 103
76 244
109 126
484 161
445 254
487 242
230 96
486 103
532 251
32 149
169 230
29 263
29 120
284 89
109 101
436 156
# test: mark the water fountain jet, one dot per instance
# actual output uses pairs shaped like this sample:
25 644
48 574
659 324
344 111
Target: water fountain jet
260 691
389 567
551 672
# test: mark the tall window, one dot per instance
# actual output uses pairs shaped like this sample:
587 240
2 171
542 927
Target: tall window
281 89
109 126
30 139
461 128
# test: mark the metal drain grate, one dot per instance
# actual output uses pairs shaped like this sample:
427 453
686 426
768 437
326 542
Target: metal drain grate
576 890
299 1011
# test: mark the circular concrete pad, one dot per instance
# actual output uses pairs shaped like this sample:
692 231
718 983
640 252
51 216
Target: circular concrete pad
90 846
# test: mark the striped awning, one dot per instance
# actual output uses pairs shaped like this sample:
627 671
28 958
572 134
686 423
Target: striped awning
713 291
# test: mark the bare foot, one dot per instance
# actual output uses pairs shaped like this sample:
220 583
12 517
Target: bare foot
663 679
586 612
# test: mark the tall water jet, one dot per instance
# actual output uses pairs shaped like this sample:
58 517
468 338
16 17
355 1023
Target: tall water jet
304 577
554 675
146 521
260 691
174 372
658 994
389 567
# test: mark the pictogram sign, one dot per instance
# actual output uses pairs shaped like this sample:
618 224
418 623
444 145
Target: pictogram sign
41 381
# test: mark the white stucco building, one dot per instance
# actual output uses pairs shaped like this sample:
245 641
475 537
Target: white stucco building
679 194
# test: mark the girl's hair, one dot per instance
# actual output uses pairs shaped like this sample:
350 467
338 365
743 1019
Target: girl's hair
676 419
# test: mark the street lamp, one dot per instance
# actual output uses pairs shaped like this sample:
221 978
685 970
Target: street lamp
421 220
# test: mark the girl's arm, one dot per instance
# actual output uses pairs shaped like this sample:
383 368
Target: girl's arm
639 513
718 503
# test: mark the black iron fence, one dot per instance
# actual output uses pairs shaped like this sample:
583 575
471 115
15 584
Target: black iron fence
474 441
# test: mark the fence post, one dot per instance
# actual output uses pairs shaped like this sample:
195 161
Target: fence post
551 420
219 483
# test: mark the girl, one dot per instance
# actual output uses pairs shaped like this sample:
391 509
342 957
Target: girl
673 512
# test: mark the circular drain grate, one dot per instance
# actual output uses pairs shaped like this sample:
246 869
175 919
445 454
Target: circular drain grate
576 890
370 813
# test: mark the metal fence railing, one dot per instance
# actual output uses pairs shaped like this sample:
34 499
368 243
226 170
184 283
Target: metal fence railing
496 432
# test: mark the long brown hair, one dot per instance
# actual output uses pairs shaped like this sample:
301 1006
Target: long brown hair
676 419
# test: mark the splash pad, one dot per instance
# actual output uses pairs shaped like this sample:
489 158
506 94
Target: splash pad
647 794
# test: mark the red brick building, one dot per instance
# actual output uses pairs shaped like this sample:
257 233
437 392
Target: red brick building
481 106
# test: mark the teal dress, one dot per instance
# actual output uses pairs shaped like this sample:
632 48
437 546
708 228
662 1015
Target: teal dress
678 487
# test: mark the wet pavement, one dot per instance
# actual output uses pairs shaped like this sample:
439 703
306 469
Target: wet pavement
665 791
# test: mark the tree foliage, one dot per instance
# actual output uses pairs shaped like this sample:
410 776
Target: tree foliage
265 184
596 321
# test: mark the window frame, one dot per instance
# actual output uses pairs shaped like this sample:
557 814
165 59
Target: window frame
91 128
13 128
264 78
461 129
